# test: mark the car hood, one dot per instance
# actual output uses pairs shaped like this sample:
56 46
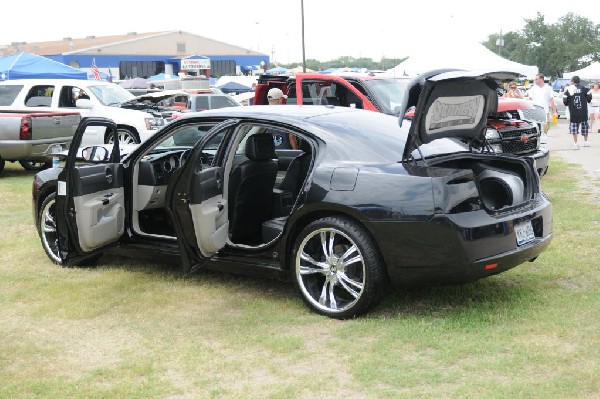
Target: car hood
154 98
451 104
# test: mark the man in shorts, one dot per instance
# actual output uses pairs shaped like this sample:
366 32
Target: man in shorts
541 94
576 98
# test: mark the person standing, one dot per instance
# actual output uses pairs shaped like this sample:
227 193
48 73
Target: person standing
282 140
541 94
594 107
576 98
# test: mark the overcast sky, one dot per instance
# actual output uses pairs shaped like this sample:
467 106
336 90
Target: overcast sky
333 28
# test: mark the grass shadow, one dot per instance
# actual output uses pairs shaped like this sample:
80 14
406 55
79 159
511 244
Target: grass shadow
497 293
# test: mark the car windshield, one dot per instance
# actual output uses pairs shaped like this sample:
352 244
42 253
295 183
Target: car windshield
186 136
389 92
111 94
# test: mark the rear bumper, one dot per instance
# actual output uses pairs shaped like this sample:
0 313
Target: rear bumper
30 150
461 248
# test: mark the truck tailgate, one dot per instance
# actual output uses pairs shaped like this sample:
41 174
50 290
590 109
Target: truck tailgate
53 125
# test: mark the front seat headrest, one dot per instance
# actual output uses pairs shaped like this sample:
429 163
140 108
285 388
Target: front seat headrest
260 147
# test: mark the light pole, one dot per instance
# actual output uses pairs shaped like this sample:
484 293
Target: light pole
303 52
257 36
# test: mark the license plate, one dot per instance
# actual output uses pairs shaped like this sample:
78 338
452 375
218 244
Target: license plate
524 232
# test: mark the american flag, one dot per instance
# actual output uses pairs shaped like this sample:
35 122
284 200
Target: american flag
95 70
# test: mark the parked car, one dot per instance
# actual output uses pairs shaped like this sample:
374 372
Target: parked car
204 101
88 98
361 205
560 106
29 137
385 93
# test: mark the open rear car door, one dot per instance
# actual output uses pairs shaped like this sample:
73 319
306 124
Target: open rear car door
196 199
90 196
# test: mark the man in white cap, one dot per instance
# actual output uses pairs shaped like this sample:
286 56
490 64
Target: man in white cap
282 141
275 96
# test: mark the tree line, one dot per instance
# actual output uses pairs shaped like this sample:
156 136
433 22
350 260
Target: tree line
572 43
349 62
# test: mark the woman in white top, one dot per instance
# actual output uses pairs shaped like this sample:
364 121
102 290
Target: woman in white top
594 106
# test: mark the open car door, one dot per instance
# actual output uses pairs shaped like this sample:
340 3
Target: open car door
90 196
195 199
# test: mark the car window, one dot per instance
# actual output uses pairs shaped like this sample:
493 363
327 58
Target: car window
201 103
389 92
110 94
319 93
186 136
8 93
222 102
39 96
69 96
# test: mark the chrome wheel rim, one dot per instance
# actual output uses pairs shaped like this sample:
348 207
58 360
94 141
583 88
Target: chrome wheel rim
330 270
48 230
124 136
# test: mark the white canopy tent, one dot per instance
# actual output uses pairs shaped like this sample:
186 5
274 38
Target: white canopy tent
460 54
590 72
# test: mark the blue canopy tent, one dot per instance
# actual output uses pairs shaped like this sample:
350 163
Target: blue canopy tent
245 68
31 66
234 87
162 76
276 70
329 70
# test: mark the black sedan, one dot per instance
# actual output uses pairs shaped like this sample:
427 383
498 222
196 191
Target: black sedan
360 204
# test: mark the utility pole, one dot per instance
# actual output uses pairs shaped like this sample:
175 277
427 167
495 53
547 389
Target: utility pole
500 43
303 52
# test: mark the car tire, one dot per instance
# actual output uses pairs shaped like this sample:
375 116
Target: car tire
2 163
35 165
46 226
329 285
126 136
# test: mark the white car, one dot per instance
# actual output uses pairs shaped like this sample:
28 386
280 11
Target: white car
91 98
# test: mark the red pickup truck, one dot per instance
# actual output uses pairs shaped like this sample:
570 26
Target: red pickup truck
514 128
28 137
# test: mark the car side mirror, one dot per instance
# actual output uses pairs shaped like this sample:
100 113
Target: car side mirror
84 103
95 154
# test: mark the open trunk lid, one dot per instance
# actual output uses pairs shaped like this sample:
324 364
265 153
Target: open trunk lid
451 104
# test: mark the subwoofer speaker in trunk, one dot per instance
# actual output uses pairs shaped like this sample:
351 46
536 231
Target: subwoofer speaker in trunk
500 188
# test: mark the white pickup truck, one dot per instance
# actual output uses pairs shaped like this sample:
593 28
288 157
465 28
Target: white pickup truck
30 137
89 98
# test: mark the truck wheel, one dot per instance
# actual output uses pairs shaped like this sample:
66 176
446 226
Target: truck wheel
2 162
35 165
126 136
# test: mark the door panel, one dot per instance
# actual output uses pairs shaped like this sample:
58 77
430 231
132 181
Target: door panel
99 203
195 200
91 202
211 224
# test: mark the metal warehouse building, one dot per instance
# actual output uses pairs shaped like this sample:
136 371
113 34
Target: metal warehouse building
146 54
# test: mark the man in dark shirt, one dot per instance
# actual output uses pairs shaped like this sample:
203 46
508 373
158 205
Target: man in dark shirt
576 98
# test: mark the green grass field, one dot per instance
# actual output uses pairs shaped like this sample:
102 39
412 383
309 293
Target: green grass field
131 329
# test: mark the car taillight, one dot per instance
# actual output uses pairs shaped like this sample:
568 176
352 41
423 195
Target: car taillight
25 131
